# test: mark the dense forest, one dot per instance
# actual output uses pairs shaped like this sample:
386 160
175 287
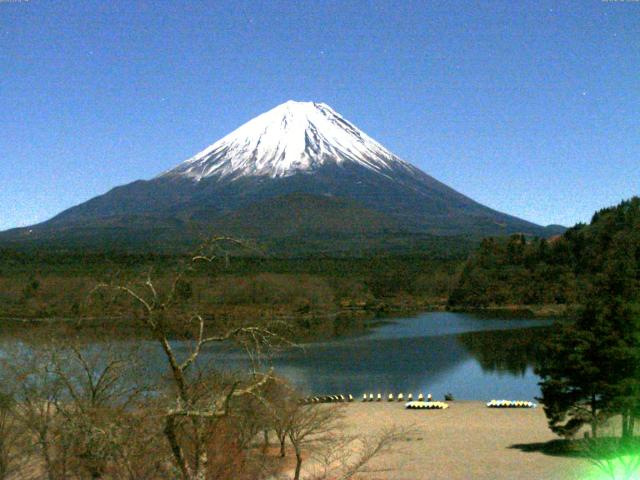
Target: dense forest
523 271
50 284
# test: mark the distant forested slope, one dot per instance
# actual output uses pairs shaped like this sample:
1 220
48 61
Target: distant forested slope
520 271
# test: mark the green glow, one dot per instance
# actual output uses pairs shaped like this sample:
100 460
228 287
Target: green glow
626 467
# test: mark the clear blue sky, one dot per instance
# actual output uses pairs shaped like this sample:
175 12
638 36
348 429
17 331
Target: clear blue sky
530 107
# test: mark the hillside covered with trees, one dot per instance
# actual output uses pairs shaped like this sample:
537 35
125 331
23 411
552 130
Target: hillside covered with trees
522 271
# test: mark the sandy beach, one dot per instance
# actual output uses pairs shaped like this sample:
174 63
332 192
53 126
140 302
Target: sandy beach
466 441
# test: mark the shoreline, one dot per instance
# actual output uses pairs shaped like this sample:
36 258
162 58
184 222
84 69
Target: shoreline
349 313
511 311
310 327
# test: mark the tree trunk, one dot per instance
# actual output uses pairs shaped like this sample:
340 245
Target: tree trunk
283 452
178 454
625 424
203 460
298 465
200 450
594 417
4 460
266 438
44 446
630 424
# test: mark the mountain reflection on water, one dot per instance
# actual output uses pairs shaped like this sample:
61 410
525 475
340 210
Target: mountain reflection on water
435 352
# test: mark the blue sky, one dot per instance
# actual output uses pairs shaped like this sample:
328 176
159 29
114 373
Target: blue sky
530 107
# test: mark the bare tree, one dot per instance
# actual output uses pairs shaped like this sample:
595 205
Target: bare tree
250 417
88 419
98 388
29 376
348 456
315 432
281 401
189 421
75 406
310 427
11 437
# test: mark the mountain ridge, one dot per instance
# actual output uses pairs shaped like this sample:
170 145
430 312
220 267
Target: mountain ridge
295 148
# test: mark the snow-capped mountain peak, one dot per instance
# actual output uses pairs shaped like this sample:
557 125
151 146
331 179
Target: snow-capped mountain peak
291 138
299 174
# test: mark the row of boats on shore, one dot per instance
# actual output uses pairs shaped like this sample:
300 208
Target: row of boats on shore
366 398
400 397
419 403
510 404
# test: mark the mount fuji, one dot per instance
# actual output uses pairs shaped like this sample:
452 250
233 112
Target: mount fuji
295 137
300 170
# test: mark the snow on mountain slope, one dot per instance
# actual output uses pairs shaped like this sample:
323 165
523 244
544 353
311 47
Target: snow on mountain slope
291 138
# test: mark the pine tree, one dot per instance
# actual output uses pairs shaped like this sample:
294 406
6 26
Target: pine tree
573 381
592 367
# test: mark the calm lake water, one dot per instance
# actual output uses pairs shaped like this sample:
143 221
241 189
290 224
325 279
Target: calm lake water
474 358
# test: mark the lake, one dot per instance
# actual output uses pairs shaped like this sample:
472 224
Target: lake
472 357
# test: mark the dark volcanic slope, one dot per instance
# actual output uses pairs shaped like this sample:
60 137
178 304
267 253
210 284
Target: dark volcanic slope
419 202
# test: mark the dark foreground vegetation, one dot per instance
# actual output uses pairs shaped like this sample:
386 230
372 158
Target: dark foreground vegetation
69 411
590 368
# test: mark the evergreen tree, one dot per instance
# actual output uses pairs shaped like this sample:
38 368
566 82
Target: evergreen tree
574 384
592 367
